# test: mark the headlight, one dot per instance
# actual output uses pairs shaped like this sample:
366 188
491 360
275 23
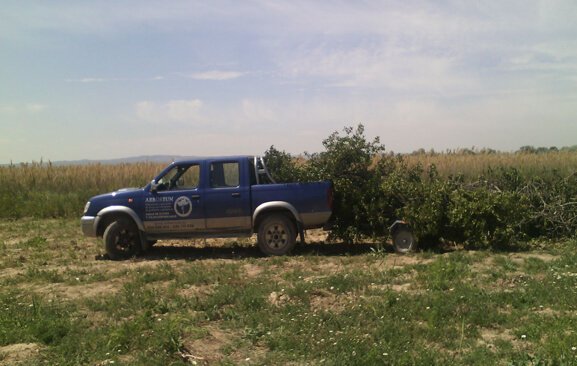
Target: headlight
86 207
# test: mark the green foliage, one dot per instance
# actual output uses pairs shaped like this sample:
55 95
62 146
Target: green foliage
282 165
347 161
422 201
497 208
484 218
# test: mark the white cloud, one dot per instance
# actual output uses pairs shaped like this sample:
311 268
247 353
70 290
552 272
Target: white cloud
453 48
35 107
174 110
550 56
216 75
379 68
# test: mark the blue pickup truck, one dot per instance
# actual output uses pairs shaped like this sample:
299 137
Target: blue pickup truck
208 197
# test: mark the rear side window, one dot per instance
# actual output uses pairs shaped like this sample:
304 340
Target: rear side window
224 175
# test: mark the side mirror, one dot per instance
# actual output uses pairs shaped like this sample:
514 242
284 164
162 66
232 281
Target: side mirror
153 186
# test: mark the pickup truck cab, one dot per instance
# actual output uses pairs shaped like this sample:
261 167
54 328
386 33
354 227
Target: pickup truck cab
208 197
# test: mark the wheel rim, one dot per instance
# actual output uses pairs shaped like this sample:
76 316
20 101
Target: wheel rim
276 236
403 240
125 241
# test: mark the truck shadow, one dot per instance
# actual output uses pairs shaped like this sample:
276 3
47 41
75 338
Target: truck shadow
167 252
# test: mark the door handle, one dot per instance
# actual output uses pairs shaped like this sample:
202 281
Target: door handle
195 196
236 194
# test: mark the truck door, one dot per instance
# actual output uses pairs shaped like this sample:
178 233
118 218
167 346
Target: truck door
176 205
227 198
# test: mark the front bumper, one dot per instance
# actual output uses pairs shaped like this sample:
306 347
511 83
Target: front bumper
88 225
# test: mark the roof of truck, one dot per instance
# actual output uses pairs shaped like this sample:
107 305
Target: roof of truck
210 158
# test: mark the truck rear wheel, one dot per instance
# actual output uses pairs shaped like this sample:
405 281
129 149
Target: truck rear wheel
276 235
121 239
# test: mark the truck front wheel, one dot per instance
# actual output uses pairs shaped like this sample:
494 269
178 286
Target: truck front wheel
121 240
276 235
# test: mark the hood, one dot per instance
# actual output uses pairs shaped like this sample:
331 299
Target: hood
131 189
116 194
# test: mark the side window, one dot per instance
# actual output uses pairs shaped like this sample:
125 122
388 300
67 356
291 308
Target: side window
180 178
224 175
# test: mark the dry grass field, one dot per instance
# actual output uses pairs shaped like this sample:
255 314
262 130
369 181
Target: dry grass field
47 191
471 165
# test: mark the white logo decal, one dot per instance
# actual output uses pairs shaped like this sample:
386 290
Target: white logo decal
183 206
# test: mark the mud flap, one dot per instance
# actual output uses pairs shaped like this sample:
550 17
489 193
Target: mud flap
301 233
145 245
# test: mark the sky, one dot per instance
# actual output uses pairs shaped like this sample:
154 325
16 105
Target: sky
110 79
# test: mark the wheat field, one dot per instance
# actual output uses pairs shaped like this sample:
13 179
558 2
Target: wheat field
564 162
48 190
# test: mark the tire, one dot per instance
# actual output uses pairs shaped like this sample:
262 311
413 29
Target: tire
276 235
122 240
403 240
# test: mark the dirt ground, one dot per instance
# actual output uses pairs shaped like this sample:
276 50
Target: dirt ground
89 257
54 249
